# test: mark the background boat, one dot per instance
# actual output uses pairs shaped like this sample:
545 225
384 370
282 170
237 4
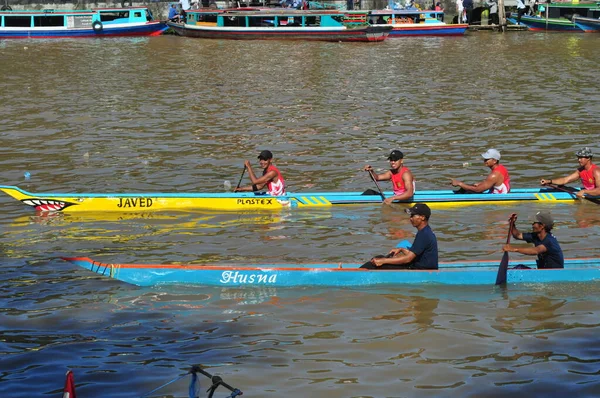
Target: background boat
559 17
279 24
100 22
416 23
588 25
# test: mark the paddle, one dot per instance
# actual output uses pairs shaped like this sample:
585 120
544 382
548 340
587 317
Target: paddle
241 177
377 184
502 269
572 190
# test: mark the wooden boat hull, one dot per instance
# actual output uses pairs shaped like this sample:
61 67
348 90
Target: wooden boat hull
248 201
287 275
334 34
588 25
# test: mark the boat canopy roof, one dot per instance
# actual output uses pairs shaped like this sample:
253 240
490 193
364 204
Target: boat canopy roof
71 12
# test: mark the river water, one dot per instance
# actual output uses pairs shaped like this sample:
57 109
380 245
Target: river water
180 115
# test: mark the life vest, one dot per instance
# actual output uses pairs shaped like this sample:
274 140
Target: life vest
587 177
275 188
505 186
398 181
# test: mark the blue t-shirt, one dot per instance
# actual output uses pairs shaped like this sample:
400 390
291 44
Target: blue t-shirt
553 257
172 13
425 248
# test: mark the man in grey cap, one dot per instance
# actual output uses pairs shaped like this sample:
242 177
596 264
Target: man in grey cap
423 254
587 172
498 181
546 247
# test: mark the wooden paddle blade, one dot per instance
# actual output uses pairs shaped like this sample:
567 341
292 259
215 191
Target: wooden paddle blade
502 270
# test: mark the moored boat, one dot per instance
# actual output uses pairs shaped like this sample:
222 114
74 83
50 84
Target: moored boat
559 17
287 275
278 24
248 201
588 25
100 22
416 23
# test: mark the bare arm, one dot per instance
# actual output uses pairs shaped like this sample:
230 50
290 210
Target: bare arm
530 251
482 186
562 180
258 183
379 177
407 257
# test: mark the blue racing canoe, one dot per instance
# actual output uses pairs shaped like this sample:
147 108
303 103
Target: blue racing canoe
276 275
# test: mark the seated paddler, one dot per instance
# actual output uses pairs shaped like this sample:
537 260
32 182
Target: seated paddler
545 245
497 181
271 177
587 172
422 254
401 177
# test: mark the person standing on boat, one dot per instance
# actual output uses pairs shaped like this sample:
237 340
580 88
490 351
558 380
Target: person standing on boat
546 247
521 9
587 172
422 254
402 179
271 177
498 181
172 13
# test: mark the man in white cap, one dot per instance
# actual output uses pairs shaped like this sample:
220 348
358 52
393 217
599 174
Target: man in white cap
422 254
546 247
587 172
498 181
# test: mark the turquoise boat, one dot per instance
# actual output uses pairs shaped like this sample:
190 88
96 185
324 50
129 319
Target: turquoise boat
99 22
339 275
279 24
559 17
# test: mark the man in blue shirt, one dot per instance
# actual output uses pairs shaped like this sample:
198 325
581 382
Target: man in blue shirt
423 254
548 251
172 12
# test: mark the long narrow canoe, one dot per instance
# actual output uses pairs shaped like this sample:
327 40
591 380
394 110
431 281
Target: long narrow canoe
244 201
459 273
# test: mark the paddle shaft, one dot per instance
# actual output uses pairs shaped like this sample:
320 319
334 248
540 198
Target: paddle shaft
241 178
572 190
503 267
371 174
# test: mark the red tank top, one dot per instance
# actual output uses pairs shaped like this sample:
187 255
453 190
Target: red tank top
398 182
275 188
587 177
505 186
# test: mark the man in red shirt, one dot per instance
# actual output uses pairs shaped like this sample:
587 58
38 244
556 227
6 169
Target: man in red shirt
587 172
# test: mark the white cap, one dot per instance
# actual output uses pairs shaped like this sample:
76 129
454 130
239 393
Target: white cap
491 154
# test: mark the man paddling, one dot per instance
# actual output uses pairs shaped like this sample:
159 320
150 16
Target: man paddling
402 179
587 172
423 254
546 247
497 182
271 176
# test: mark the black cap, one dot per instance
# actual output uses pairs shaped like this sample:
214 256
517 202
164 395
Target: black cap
265 155
420 209
396 155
